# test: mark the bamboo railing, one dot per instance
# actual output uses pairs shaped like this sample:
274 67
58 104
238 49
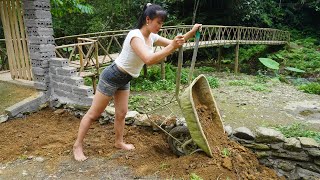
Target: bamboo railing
107 45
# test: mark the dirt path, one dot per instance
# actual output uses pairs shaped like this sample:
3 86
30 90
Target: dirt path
11 93
39 146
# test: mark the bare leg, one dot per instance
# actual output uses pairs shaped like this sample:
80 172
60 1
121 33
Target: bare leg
100 101
121 107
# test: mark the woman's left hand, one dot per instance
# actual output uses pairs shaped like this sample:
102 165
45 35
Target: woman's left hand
196 27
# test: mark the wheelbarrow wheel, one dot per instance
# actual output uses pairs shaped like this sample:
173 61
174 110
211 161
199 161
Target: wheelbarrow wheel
183 135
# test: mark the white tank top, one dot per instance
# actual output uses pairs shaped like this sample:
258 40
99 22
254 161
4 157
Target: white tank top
128 60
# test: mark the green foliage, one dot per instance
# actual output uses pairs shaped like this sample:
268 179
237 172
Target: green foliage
260 87
274 65
269 63
205 69
213 82
225 152
194 176
240 83
154 82
298 130
311 88
60 8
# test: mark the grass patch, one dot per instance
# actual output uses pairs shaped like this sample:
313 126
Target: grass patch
298 130
311 88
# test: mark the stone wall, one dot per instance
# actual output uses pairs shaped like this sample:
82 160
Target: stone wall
293 158
52 76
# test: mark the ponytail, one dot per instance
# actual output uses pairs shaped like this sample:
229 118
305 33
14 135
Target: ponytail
153 11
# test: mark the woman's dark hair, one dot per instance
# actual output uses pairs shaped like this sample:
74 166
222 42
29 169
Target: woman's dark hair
153 11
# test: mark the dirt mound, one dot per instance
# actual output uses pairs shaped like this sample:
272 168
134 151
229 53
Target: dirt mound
51 135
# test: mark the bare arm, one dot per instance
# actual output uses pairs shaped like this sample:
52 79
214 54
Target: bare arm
154 58
192 32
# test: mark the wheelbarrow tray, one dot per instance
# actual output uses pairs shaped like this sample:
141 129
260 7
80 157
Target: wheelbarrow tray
199 92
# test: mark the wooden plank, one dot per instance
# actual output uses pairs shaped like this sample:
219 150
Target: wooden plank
18 36
24 42
10 51
5 28
14 39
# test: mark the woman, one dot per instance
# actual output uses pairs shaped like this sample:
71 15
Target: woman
115 79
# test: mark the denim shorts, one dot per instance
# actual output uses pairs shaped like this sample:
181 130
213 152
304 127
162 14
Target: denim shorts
112 79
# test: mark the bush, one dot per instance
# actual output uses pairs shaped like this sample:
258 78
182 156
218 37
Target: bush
311 88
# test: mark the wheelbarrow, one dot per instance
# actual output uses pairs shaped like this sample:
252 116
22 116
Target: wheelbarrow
185 140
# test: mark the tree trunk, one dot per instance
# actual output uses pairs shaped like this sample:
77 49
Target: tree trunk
195 8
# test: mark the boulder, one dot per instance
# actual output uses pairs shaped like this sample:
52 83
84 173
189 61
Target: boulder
268 135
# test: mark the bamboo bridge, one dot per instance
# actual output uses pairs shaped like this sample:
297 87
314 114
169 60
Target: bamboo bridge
95 49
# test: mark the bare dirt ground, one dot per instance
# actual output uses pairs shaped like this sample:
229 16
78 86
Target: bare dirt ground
39 146
12 93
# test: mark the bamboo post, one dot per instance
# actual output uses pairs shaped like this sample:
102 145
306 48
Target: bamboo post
24 42
145 70
18 38
236 61
178 76
97 57
81 57
219 58
163 68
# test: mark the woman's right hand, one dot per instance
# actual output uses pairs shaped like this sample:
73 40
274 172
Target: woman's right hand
178 41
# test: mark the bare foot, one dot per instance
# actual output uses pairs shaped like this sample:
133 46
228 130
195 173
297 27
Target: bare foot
124 146
78 153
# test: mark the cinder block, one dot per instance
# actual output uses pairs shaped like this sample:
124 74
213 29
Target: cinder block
39 31
87 101
83 91
42 56
41 86
61 93
39 63
66 71
57 78
53 70
65 87
42 48
74 81
59 62
44 23
43 79
40 71
41 40
36 5
37 14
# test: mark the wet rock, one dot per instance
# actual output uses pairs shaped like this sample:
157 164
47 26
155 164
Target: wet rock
130 117
142 120
308 142
39 159
292 144
228 130
4 118
257 146
59 111
298 156
110 110
262 154
181 122
268 135
306 174
276 146
243 133
286 166
314 152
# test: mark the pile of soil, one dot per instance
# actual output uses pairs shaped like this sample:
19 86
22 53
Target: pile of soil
51 134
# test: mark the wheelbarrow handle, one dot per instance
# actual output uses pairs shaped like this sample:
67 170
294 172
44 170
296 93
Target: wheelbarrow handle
178 79
194 56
